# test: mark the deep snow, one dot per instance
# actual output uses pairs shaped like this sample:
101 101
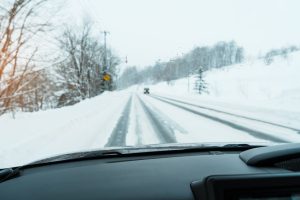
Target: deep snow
84 126
252 89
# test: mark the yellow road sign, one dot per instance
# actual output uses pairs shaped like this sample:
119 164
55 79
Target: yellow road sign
106 77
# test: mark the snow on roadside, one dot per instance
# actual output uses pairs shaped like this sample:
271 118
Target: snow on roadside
84 126
270 92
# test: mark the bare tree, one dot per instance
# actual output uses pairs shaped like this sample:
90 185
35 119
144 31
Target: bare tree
80 73
284 51
19 25
219 55
38 93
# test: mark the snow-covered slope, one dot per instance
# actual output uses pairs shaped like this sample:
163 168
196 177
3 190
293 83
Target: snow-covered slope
275 86
254 90
84 126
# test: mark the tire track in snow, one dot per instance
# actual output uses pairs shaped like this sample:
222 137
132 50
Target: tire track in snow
118 136
165 133
228 113
257 134
138 125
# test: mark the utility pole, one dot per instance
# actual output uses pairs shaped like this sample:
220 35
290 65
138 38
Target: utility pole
105 52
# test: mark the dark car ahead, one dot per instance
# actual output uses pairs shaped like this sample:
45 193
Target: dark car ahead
146 91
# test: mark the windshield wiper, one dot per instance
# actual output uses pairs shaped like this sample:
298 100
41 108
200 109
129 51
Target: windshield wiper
241 146
6 174
147 150
143 150
80 155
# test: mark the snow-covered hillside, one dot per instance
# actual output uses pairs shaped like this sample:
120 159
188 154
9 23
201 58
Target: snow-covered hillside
246 103
275 86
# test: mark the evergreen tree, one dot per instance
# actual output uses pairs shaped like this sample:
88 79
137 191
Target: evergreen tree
200 84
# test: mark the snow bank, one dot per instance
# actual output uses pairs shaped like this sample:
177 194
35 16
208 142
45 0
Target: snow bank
252 88
253 83
84 126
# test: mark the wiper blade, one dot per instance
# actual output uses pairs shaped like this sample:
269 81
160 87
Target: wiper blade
129 150
6 174
242 146
80 155
206 146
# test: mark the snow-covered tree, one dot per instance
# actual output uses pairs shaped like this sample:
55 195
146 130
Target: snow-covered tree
200 84
81 72
269 56
216 56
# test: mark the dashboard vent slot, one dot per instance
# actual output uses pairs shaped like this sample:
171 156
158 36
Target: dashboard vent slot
292 164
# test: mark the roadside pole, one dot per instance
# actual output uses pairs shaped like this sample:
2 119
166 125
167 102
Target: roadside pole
105 67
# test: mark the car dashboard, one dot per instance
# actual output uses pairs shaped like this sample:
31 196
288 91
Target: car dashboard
176 176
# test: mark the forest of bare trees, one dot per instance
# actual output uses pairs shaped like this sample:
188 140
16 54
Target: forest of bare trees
269 56
79 74
72 68
26 84
206 58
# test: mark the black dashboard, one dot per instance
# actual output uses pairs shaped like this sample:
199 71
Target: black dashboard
165 176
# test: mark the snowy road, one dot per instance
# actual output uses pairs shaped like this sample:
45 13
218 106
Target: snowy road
118 136
152 119
224 120
130 118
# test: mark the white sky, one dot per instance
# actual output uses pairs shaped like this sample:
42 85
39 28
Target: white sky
148 30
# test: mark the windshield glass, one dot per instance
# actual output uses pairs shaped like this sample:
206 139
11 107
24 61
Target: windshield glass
84 75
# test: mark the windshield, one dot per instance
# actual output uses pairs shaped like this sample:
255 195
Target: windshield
85 75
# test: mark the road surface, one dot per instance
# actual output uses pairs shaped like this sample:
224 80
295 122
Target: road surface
155 119
131 118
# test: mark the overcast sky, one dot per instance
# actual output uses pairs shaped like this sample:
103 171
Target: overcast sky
148 30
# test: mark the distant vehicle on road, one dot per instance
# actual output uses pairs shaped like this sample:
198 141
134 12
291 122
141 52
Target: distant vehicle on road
146 91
